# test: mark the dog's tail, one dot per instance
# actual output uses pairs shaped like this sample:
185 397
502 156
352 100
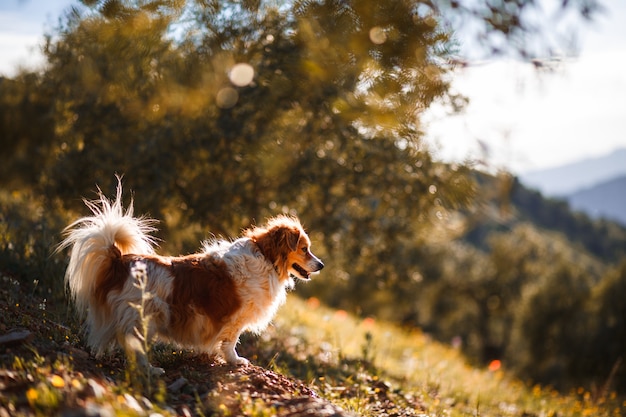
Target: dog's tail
96 240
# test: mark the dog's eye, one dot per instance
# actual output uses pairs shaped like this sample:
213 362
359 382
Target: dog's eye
305 249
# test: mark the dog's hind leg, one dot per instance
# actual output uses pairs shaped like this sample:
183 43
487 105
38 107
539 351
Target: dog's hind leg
135 352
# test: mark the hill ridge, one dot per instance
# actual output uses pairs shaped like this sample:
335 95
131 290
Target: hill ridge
604 200
571 177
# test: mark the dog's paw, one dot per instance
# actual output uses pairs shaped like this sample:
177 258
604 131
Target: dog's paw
242 362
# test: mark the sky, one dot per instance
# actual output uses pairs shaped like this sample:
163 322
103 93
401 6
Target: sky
518 119
523 120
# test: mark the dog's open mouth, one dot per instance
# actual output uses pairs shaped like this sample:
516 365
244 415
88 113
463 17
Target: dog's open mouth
304 274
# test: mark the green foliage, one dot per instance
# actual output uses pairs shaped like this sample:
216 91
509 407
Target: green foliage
28 235
510 203
338 120
605 323
601 238
27 129
550 325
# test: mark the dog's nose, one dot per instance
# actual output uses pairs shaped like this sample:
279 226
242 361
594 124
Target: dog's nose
320 265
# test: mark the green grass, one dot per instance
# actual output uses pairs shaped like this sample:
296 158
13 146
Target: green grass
436 376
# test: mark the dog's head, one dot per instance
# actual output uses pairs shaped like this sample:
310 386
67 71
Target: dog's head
285 244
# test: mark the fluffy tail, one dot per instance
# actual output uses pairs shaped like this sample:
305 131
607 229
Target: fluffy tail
110 231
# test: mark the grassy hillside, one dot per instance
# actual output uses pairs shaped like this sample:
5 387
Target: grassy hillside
313 361
420 368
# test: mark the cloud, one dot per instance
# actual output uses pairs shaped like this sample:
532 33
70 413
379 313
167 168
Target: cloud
19 50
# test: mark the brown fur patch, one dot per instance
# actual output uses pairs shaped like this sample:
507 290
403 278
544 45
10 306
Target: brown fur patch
112 276
202 285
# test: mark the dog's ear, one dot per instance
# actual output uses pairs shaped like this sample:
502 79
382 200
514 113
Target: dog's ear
292 236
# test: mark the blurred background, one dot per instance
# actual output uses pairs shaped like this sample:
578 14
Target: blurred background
461 166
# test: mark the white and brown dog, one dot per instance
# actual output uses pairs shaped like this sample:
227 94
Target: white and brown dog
202 301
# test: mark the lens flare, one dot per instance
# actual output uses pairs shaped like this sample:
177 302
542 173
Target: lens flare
378 35
241 74
226 98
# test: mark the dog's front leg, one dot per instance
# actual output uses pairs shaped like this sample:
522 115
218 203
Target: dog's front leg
229 343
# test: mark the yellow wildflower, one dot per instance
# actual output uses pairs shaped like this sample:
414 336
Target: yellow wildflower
57 381
32 395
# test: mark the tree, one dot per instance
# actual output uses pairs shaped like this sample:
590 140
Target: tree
606 329
132 99
549 328
26 129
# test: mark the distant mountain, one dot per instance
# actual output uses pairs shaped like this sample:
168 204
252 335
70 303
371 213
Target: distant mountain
502 211
607 200
568 179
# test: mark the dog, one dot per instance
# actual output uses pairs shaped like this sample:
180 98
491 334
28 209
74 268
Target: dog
202 301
